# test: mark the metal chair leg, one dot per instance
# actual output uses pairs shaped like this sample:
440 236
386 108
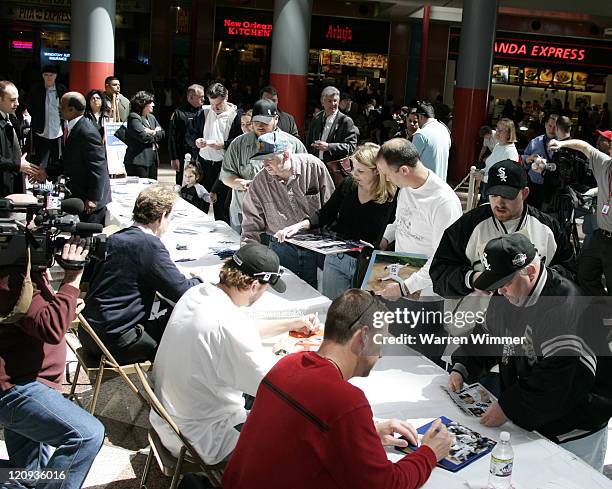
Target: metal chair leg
98 385
177 471
75 381
147 468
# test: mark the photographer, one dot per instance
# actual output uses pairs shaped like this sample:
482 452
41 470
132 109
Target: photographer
595 258
33 412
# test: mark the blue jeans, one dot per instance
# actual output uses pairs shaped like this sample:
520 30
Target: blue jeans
300 261
35 417
591 449
338 273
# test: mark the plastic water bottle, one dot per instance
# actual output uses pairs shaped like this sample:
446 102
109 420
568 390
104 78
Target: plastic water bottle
502 458
187 163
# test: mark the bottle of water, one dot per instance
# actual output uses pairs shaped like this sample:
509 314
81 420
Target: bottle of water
187 163
502 457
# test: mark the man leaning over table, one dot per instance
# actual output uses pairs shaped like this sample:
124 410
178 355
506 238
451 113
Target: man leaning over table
426 206
311 428
553 381
238 169
122 290
291 188
221 354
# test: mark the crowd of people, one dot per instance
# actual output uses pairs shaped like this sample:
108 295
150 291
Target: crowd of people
269 182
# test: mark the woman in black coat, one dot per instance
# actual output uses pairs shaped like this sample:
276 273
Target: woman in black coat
143 135
97 109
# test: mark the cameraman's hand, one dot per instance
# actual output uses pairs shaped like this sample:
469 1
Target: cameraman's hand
38 175
74 250
90 206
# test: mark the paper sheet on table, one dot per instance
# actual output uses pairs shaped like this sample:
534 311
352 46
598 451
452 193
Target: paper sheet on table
483 484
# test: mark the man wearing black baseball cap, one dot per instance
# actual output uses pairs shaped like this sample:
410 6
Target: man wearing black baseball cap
211 353
457 261
547 377
238 168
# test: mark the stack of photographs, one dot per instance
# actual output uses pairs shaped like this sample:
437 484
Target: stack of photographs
473 399
468 447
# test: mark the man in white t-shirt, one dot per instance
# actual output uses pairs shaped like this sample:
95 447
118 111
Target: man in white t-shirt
211 353
212 130
426 206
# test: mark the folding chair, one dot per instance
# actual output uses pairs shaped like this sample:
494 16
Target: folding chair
105 368
188 459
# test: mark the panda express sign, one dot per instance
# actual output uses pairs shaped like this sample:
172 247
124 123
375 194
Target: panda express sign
593 55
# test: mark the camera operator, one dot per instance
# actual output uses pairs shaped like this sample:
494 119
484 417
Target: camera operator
565 174
33 412
570 169
596 258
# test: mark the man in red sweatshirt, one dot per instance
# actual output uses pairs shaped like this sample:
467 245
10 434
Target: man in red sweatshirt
34 415
309 427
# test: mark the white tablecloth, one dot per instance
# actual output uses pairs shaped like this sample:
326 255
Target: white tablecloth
403 385
202 236
407 386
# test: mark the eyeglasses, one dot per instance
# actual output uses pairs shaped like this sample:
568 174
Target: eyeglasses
269 277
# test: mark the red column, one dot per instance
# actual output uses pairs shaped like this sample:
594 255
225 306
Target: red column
473 78
92 44
423 56
289 64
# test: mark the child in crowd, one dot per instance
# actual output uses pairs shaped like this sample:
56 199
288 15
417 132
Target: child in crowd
192 191
245 122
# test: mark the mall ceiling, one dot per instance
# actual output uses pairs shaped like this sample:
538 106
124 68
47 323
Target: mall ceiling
597 11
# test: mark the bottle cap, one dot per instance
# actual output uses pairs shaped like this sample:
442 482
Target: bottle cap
504 436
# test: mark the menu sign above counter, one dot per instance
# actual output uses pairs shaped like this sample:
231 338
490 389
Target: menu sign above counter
531 76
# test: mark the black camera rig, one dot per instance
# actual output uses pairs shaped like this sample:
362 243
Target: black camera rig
42 228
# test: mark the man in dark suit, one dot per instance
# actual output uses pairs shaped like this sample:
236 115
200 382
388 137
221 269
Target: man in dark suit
12 162
286 122
332 135
83 160
180 121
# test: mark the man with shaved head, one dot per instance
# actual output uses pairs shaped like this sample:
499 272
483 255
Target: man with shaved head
83 160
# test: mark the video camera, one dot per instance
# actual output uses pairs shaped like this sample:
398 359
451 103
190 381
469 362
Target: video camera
45 221
570 166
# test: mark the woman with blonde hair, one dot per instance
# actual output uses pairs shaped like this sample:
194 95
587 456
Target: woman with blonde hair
505 149
359 209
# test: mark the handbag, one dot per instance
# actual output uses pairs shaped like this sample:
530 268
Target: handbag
339 169
365 255
121 134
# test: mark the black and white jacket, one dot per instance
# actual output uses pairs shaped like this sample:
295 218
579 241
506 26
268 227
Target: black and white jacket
462 244
549 382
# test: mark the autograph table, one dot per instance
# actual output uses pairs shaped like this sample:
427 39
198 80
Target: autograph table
193 238
408 386
403 384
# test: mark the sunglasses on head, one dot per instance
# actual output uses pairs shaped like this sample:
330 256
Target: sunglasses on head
374 301
269 277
